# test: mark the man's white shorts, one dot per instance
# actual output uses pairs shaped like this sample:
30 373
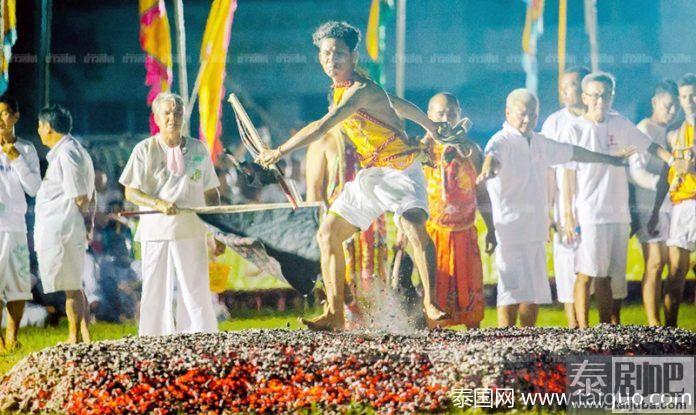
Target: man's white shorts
682 229
15 280
61 266
522 274
377 190
564 270
602 253
662 228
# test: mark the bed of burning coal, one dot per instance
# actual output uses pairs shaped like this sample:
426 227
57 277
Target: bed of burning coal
282 371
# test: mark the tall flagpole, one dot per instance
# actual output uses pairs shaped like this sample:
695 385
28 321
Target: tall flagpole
562 32
44 52
400 47
181 53
591 29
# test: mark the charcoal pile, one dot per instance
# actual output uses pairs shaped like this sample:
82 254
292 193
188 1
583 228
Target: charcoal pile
282 371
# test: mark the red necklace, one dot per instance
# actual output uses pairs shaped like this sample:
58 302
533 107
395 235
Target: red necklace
343 84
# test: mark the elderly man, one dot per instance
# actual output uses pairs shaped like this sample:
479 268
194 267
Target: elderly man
602 199
516 164
166 172
391 178
453 198
60 235
570 94
682 193
647 169
19 175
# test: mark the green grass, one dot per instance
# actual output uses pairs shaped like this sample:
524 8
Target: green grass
34 339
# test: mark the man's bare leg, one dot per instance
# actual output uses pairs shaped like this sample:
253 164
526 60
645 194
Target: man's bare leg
528 314
413 225
605 301
655 255
2 339
570 315
333 232
507 315
15 309
674 284
73 310
581 292
84 321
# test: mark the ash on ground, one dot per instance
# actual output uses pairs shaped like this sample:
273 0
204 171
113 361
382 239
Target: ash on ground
283 371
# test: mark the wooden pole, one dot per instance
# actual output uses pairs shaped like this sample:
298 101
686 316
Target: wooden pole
181 53
400 47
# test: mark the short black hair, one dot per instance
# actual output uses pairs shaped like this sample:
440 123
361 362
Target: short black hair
687 79
57 117
582 71
666 87
350 35
10 101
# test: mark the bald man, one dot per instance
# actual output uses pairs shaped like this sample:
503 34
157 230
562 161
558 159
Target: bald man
570 94
515 169
453 198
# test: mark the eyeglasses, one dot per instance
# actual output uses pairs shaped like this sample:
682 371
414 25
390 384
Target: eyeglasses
605 96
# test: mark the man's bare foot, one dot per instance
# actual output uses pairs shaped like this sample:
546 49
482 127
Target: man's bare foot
434 313
324 322
72 339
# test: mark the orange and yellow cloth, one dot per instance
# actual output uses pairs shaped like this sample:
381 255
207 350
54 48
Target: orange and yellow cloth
376 143
452 201
216 40
687 188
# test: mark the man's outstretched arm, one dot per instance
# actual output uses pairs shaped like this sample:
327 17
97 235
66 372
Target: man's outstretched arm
355 98
583 155
408 110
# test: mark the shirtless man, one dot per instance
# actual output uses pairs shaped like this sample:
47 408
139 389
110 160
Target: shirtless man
391 178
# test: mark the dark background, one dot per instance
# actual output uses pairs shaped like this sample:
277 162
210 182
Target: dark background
469 47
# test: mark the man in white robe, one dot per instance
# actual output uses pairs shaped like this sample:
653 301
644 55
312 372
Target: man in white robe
60 235
166 172
19 175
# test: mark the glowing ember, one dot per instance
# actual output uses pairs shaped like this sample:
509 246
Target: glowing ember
280 371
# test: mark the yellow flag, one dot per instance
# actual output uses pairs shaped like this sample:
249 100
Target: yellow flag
372 32
216 39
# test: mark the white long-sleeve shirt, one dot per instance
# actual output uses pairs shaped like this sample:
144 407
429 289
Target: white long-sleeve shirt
17 177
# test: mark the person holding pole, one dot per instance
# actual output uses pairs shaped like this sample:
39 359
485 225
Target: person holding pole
391 178
166 172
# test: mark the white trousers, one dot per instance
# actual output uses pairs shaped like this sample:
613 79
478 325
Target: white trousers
564 270
182 264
